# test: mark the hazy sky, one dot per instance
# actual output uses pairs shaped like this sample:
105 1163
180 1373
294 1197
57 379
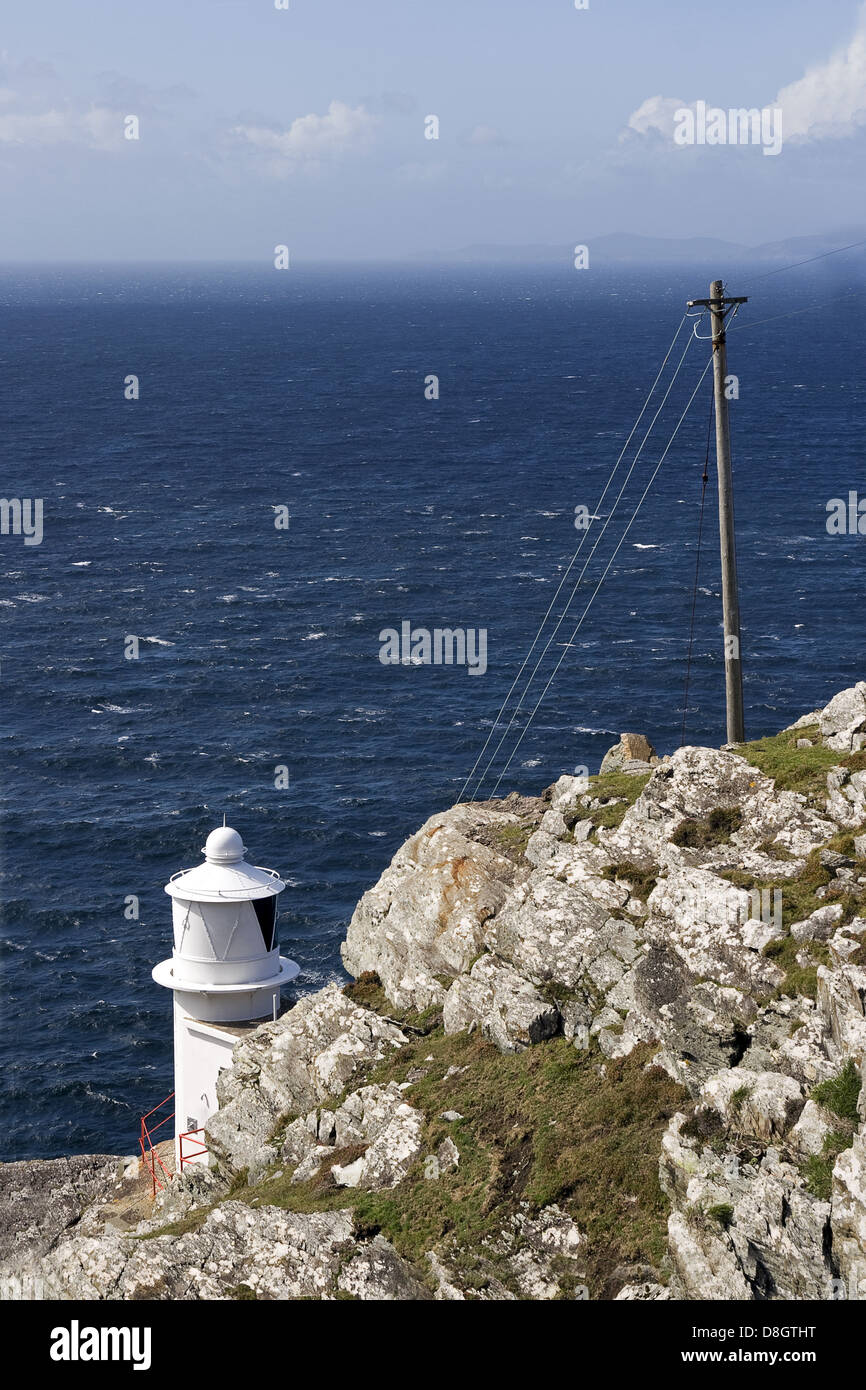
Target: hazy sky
261 126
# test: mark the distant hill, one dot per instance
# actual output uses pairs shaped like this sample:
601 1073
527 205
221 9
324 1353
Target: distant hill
626 248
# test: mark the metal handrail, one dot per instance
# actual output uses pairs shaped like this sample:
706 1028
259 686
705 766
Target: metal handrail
147 1134
196 1153
231 892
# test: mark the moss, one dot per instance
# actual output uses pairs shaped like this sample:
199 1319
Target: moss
707 1126
774 851
242 1292
723 1213
717 829
841 1092
367 992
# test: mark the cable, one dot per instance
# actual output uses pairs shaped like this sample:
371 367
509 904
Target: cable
604 575
791 312
704 480
562 616
809 260
573 560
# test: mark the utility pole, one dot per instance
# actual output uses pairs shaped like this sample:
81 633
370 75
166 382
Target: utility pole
719 305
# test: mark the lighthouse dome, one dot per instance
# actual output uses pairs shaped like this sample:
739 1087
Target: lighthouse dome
224 846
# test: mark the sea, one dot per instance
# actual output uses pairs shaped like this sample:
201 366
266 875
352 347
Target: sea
248 476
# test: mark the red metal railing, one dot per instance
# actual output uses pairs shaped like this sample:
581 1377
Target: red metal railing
152 1159
149 1156
201 1147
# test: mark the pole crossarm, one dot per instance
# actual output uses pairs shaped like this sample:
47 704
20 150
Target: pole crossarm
722 299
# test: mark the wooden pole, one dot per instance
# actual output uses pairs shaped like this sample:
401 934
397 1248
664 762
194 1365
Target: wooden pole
718 305
730 591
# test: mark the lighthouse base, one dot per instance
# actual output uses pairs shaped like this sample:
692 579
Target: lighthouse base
202 1050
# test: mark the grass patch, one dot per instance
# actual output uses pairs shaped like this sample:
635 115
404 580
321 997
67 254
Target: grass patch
799 979
723 1213
619 791
717 829
793 769
802 770
511 840
841 1093
642 881
818 1168
367 992
546 1125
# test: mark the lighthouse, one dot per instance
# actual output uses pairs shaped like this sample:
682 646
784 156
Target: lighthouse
225 971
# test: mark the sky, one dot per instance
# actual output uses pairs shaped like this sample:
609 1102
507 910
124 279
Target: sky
306 126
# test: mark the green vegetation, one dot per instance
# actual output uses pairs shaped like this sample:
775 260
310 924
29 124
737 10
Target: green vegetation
723 1213
619 791
641 881
841 1093
818 1169
511 840
799 979
794 769
367 991
838 1094
717 829
550 1124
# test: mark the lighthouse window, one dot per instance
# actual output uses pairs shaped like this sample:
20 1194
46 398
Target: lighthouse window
266 912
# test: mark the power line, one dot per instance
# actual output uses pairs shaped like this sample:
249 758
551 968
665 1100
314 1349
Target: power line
810 259
568 604
704 480
578 625
571 565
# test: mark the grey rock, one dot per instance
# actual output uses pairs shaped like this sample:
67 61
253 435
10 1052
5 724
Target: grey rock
40 1199
810 1131
507 1008
843 717
632 748
290 1066
819 926
764 1105
448 1156
427 915
275 1253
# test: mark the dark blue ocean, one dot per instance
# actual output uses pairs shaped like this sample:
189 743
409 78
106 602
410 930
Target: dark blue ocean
259 647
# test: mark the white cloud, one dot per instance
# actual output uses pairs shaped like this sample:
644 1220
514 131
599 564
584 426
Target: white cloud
314 137
830 99
655 114
98 128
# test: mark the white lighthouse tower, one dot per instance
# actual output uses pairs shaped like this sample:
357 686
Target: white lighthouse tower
226 971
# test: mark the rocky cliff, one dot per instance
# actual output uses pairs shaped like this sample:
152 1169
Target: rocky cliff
608 1042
